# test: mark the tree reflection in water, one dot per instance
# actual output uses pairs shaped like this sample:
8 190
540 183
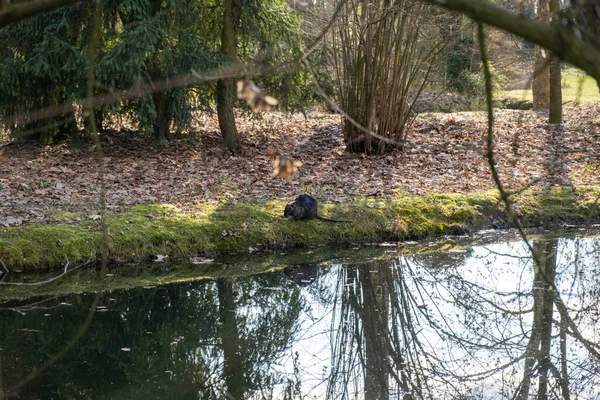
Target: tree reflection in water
476 324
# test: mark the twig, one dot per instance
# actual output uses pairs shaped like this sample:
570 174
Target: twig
6 271
504 195
65 271
560 305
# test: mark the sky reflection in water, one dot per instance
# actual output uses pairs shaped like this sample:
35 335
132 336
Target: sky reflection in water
473 324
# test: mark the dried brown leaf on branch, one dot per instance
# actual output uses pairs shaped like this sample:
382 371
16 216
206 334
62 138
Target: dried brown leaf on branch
254 96
285 167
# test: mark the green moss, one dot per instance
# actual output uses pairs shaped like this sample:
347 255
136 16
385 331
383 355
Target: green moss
575 205
67 214
44 245
148 230
127 275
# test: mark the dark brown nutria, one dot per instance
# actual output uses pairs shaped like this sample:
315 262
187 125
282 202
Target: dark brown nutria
305 208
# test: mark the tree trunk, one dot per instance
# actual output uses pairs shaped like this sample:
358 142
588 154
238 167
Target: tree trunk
376 350
555 115
224 97
225 86
548 268
230 340
67 129
541 71
162 124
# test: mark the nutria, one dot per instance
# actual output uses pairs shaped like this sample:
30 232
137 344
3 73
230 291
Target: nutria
305 208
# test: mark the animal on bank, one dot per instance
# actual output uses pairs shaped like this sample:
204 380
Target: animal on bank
305 208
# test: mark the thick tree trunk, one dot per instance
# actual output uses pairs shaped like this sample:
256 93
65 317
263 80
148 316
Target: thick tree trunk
224 97
225 86
162 124
230 340
555 114
548 268
541 71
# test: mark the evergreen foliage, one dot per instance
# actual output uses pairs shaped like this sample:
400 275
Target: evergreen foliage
271 36
464 71
463 65
44 63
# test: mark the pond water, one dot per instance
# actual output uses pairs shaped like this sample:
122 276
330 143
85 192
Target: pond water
482 323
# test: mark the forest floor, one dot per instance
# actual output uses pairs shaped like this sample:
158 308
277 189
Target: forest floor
444 153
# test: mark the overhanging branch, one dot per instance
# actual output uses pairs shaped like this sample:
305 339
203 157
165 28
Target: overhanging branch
17 12
556 39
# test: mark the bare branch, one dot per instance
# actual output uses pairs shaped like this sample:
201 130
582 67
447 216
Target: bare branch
134 92
65 271
6 271
21 11
559 40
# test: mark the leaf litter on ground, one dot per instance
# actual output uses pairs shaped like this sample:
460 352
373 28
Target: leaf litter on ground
443 153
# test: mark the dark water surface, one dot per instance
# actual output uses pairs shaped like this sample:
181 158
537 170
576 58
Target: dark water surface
475 324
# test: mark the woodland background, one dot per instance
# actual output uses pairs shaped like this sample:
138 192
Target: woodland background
135 100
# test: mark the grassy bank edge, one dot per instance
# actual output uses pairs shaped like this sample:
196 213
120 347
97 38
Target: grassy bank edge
211 229
150 274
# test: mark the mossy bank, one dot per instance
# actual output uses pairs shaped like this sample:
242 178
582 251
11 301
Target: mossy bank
208 229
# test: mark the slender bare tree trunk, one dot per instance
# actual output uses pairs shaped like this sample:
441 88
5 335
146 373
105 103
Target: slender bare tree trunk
541 71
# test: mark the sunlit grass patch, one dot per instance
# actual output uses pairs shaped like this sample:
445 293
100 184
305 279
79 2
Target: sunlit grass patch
577 88
576 205
146 231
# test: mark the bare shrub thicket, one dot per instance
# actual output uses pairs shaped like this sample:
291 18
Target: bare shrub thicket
384 53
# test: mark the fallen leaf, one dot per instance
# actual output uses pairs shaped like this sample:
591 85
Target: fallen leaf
160 258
